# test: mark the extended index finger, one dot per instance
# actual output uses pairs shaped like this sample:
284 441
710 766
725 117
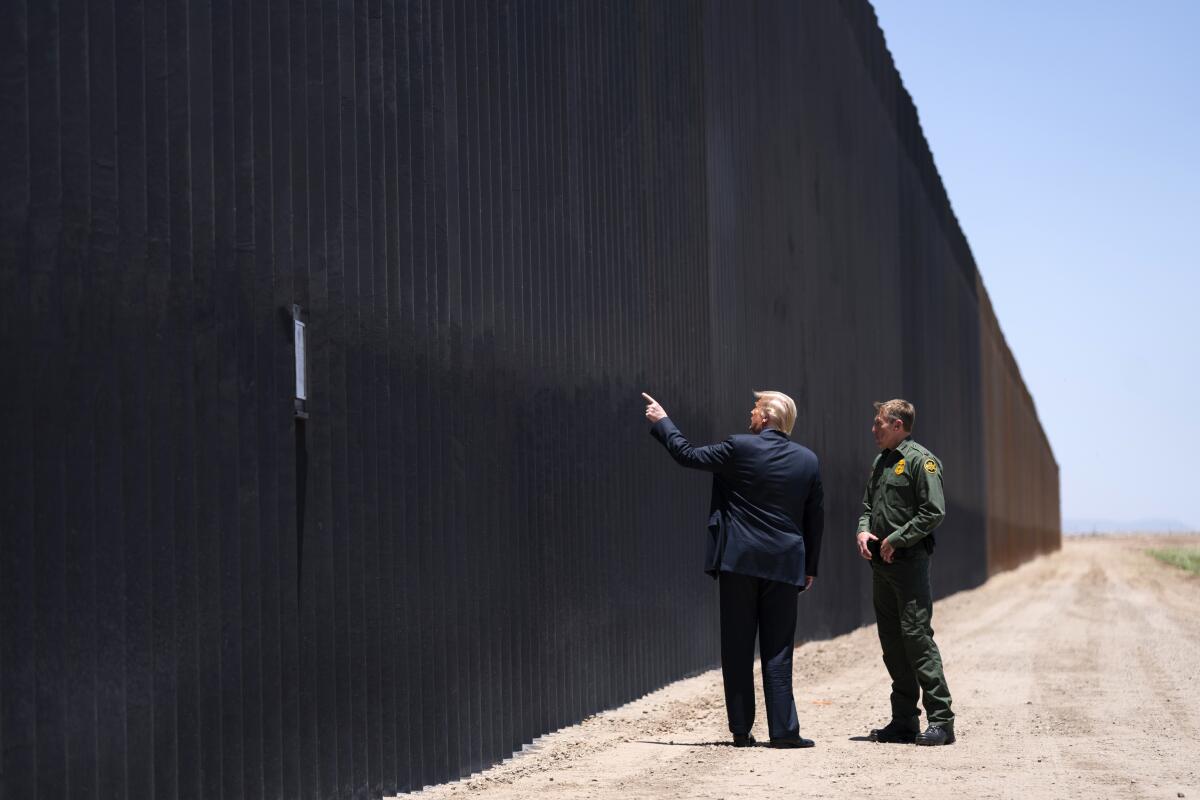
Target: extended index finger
649 399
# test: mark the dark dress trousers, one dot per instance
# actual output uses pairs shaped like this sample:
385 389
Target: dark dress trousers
765 524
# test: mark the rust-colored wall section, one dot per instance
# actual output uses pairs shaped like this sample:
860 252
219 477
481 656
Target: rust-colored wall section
1021 483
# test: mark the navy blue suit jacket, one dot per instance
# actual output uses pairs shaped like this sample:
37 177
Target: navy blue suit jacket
766 516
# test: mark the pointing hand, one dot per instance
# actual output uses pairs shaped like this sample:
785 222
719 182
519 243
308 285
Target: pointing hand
654 412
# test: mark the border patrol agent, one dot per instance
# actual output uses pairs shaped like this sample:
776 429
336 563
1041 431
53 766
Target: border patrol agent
902 504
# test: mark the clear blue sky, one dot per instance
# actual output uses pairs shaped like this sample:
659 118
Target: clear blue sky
1068 136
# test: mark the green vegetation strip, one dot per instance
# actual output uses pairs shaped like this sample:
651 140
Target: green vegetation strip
1183 557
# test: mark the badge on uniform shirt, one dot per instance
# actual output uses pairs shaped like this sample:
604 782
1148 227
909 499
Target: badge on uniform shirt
931 467
899 467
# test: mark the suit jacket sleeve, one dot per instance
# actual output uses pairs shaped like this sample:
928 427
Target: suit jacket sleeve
711 458
814 525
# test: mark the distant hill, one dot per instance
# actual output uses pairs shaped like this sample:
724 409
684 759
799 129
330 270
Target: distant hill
1148 525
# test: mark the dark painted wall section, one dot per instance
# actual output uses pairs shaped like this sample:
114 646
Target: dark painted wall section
833 276
503 220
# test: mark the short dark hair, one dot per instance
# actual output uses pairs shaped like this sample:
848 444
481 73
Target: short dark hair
898 409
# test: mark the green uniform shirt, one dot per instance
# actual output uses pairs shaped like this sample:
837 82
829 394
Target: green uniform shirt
903 502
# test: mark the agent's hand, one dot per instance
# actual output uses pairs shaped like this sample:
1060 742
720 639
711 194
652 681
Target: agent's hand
887 551
863 538
808 582
654 412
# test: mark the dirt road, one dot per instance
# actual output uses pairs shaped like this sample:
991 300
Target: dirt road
1074 676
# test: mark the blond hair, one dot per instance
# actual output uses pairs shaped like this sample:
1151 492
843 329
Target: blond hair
778 408
900 410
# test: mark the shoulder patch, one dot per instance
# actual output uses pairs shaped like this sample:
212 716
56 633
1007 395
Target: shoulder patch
899 470
930 467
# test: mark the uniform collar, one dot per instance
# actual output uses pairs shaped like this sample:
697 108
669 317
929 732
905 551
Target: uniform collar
900 446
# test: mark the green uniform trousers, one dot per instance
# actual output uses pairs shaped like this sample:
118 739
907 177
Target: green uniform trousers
904 613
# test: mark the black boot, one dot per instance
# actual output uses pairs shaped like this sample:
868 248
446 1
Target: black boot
936 735
743 740
894 733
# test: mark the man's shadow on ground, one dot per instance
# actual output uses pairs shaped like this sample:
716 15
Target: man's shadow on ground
696 744
674 743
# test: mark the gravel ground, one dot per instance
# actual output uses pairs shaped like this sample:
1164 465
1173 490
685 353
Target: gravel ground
1073 677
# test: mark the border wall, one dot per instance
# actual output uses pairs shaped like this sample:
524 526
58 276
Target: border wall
1022 476
502 221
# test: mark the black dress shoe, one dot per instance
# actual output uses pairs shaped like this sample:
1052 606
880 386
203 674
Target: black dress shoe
743 740
893 733
797 741
935 735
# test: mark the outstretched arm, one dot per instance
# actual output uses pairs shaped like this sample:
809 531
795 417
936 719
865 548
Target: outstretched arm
710 458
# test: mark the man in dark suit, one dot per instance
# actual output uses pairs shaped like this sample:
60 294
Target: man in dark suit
765 525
